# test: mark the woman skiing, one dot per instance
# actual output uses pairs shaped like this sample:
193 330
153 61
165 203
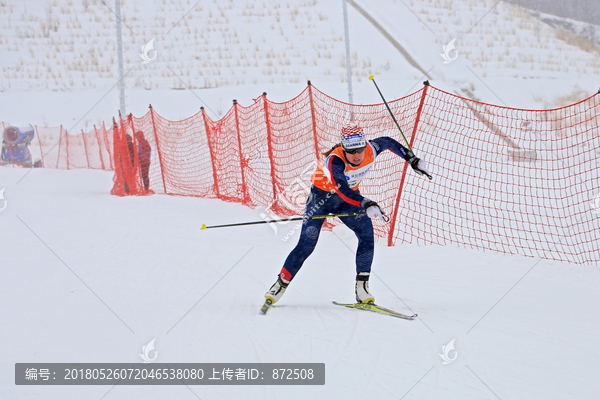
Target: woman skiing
335 191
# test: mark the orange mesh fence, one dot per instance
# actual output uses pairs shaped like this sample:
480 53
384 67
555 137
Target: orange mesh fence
513 181
229 162
509 180
54 147
382 183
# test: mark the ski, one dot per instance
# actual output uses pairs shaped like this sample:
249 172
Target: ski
375 308
266 306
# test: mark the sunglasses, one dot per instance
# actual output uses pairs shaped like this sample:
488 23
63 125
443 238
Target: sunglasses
354 151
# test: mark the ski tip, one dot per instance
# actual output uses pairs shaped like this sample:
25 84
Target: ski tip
203 226
371 306
266 306
371 77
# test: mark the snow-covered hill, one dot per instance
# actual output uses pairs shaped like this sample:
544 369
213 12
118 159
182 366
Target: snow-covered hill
59 57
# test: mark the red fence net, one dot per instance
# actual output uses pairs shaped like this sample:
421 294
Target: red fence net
55 148
509 180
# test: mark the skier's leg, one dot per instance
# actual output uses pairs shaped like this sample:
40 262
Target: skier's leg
311 229
317 203
306 244
363 229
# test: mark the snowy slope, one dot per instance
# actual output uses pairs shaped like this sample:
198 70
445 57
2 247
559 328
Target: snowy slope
221 50
89 277
504 54
59 57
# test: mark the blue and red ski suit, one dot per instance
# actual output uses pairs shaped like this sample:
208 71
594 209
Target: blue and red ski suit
335 190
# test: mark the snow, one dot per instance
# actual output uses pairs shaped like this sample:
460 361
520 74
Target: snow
90 277
59 58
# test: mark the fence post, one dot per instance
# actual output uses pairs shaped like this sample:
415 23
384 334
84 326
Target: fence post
9 149
136 157
245 199
39 142
162 168
99 147
121 131
116 144
67 142
3 128
60 138
212 154
412 139
118 159
314 122
270 145
107 145
86 149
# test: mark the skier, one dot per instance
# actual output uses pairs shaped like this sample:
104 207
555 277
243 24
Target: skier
335 190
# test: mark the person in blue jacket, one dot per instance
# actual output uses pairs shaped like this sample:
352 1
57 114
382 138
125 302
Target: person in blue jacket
335 190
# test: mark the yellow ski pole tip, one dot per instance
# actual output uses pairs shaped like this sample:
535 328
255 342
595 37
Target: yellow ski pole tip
371 77
203 226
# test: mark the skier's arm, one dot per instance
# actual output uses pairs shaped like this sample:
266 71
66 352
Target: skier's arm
384 143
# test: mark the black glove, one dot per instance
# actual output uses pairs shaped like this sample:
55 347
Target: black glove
413 161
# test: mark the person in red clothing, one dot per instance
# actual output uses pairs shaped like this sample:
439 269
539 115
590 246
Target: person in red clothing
335 190
144 152
127 156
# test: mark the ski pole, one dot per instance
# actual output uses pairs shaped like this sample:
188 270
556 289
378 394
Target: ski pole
372 78
284 220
